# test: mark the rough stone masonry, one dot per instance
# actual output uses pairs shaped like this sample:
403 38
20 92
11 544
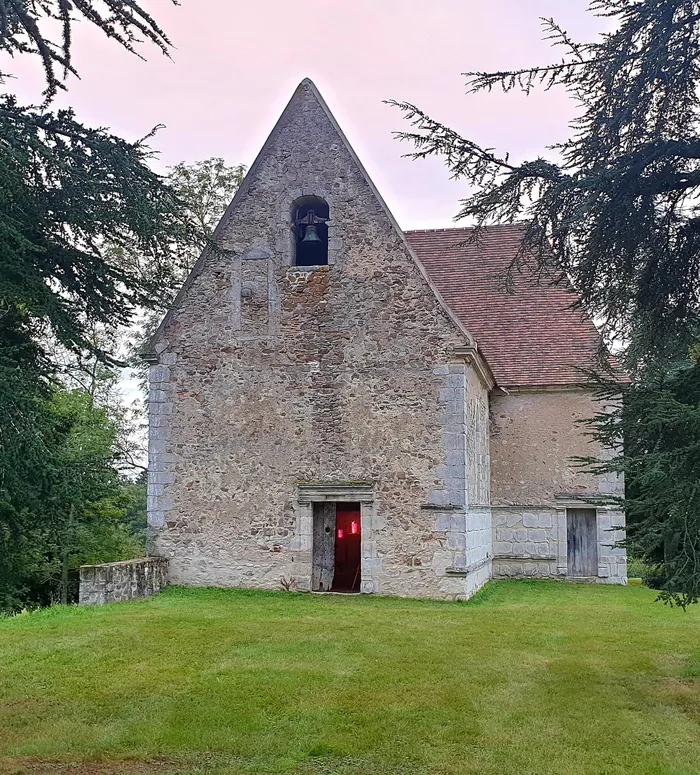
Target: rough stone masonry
117 582
274 387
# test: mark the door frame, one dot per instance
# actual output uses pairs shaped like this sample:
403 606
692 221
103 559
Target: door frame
301 567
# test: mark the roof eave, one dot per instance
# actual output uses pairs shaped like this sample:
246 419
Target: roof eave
472 356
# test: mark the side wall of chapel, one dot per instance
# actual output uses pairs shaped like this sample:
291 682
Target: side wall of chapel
534 436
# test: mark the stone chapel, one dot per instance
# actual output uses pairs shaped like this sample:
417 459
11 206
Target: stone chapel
337 405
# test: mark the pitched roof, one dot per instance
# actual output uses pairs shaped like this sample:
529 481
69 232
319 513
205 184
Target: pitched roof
529 334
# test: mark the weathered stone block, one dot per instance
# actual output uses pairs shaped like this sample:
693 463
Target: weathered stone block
455 380
544 520
457 496
456 541
513 519
530 519
158 373
454 459
443 522
455 441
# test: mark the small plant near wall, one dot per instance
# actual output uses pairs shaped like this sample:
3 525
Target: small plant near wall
288 584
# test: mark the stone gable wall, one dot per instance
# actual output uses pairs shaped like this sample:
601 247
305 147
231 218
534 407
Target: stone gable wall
271 376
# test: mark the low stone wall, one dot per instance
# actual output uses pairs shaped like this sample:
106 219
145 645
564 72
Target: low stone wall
115 582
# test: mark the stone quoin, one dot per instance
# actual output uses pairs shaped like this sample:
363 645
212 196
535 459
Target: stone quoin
389 419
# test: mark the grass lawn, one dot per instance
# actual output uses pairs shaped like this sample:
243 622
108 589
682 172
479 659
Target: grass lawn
530 678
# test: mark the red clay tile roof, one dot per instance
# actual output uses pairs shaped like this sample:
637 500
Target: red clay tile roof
530 336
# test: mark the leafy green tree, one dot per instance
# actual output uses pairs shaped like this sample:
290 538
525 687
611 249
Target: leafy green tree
204 190
615 210
70 507
85 517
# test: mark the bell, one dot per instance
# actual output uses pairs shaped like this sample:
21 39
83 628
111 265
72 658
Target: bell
311 235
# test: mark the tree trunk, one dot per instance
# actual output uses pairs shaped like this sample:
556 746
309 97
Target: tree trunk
65 558
64 578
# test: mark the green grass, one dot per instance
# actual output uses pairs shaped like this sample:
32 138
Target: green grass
530 678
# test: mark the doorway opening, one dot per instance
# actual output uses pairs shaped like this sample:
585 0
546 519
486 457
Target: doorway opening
582 542
348 539
336 549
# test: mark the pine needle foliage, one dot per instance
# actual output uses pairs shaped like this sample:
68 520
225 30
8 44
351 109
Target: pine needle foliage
24 25
72 197
67 192
615 207
659 420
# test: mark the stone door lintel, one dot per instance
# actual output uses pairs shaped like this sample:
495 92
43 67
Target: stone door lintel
353 492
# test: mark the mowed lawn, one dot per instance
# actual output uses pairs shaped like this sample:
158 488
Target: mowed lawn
530 678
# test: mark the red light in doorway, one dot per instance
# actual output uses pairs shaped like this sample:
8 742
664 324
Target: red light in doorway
353 528
340 532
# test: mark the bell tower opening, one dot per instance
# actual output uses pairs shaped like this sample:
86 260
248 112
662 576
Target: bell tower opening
310 216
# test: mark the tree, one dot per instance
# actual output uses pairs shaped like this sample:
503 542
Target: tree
74 507
615 210
24 425
615 207
72 196
68 195
659 420
68 192
204 190
85 519
24 25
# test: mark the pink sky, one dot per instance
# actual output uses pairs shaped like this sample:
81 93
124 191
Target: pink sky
236 65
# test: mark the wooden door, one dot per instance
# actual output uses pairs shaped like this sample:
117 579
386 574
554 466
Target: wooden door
582 542
323 549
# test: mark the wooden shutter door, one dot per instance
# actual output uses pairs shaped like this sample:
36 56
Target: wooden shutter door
582 542
323 550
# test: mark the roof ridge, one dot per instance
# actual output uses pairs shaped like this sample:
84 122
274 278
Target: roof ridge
463 228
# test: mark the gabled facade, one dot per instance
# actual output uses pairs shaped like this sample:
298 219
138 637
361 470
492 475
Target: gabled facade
319 410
